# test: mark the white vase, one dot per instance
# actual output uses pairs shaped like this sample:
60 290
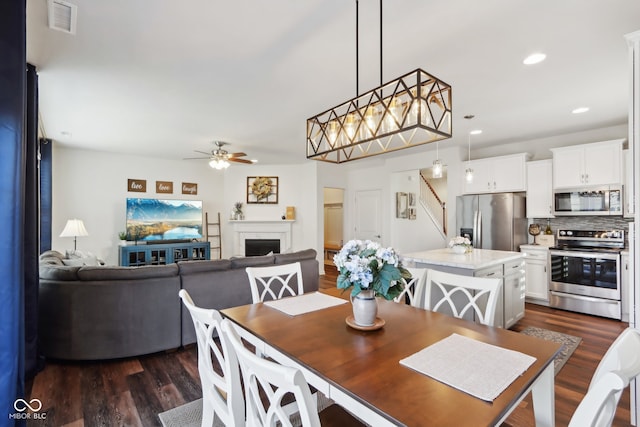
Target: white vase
365 308
459 249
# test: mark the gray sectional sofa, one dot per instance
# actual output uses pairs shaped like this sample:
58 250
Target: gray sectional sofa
107 312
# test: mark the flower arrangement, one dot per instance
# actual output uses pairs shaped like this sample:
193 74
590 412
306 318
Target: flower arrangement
460 242
237 207
365 265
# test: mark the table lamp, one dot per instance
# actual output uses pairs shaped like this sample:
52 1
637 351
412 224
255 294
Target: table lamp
74 228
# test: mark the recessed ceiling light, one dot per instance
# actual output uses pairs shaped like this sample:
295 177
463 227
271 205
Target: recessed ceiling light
66 133
534 58
476 132
580 110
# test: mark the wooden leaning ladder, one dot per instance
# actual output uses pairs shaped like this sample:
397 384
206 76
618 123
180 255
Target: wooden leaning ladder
215 239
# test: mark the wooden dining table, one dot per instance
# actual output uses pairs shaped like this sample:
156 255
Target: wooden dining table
361 371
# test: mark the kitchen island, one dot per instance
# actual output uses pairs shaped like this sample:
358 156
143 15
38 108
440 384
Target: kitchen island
506 265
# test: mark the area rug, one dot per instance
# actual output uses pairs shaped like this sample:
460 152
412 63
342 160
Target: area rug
190 414
569 344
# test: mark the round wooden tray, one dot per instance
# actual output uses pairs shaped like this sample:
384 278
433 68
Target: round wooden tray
379 323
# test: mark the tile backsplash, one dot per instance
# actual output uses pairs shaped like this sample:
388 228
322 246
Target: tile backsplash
585 223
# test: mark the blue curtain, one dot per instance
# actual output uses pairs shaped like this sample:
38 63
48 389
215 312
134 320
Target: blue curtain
12 202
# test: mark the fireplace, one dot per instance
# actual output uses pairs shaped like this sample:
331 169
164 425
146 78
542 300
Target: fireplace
257 247
269 230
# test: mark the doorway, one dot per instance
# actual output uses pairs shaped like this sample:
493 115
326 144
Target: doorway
333 225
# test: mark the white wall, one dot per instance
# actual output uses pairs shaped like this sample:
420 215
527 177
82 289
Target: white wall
298 188
92 186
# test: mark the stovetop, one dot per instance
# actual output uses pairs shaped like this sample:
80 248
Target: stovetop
610 241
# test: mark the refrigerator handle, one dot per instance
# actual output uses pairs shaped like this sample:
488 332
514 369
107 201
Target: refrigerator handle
478 232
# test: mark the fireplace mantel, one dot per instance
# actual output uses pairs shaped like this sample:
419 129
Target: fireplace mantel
261 229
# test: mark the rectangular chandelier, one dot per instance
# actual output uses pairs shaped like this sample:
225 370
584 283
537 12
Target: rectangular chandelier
411 110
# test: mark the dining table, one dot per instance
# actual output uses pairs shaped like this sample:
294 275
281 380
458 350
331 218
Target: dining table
360 368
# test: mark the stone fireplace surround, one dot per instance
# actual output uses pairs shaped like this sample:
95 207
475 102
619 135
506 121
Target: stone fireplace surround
261 229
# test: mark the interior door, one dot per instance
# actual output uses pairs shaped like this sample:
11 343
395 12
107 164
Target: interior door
368 216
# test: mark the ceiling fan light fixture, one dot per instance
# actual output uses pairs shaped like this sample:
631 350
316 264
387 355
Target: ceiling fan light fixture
219 164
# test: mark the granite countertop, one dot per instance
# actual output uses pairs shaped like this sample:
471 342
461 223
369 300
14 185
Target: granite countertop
476 259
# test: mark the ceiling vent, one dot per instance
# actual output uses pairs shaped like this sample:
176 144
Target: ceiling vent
62 16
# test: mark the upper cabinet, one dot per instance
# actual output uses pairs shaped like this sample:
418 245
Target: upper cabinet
539 190
497 174
599 163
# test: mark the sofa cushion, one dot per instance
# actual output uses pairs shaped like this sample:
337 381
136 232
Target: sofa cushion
252 261
295 256
62 273
201 266
127 273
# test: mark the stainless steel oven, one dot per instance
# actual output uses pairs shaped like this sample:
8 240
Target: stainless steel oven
585 272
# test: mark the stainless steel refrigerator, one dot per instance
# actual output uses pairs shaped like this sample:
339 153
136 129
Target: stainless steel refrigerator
493 221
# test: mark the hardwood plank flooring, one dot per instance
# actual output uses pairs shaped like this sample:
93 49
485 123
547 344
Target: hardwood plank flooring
131 392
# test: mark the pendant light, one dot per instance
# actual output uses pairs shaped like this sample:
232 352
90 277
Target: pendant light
468 173
437 165
411 110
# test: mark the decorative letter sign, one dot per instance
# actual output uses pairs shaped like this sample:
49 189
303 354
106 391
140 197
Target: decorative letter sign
189 188
164 187
137 185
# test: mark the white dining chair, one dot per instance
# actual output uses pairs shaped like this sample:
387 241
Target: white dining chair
275 281
455 295
598 407
413 288
265 378
221 393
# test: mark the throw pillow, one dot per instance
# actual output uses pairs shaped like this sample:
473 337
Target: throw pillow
79 262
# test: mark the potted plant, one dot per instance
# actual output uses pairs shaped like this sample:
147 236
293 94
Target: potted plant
123 238
370 270
460 245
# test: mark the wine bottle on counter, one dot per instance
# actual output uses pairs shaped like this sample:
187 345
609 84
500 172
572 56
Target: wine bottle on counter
548 229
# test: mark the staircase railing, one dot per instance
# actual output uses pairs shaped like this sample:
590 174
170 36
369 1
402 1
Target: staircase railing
435 207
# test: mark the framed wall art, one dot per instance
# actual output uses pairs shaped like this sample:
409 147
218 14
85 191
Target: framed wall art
262 190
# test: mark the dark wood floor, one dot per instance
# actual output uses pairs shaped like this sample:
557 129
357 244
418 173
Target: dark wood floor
132 392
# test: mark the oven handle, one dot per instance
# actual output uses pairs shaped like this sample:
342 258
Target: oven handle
583 298
578 254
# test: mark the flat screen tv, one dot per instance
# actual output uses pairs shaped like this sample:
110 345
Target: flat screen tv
162 219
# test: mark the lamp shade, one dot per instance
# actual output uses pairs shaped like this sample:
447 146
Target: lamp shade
74 227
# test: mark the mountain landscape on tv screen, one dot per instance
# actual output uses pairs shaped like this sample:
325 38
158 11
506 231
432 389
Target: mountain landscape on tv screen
156 219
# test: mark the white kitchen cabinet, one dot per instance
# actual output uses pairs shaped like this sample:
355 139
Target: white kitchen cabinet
540 189
598 163
514 292
497 174
537 273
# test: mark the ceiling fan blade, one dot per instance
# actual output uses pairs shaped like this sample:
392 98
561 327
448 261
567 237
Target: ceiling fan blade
236 154
202 152
196 158
232 159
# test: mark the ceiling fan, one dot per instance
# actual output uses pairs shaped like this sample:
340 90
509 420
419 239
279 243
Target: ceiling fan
219 158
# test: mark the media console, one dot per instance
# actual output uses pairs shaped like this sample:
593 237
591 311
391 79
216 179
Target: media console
163 253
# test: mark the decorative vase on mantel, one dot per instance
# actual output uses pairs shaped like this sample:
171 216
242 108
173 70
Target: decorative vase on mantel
365 308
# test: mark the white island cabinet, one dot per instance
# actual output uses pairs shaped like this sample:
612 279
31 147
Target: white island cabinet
538 273
508 266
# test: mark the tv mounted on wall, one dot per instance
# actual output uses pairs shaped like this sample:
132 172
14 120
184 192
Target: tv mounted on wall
161 219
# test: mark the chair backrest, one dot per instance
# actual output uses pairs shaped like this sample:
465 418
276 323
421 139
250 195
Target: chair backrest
221 393
413 288
262 377
623 356
455 295
598 407
276 281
